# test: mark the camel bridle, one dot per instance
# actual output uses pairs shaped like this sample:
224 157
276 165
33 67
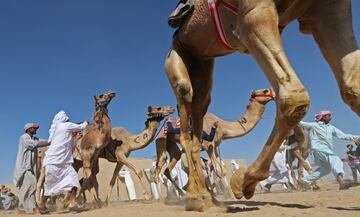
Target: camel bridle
269 94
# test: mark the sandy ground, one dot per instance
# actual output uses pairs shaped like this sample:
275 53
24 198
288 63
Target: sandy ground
328 201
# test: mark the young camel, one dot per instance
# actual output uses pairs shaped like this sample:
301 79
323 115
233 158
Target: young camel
92 140
122 143
253 27
226 130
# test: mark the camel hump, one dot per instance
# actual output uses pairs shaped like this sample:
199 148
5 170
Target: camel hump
118 132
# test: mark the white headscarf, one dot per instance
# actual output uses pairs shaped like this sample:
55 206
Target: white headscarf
59 118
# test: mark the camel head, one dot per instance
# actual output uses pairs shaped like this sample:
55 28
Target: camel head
263 96
101 103
103 100
98 135
159 112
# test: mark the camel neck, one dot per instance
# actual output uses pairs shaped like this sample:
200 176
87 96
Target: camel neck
143 139
252 115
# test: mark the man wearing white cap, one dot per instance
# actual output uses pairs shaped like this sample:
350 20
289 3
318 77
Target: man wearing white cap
60 176
321 133
25 168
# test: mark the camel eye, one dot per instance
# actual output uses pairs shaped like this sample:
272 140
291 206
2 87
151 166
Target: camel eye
101 96
265 91
158 108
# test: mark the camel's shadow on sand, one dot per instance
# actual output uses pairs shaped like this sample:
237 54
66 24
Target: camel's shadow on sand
345 209
254 205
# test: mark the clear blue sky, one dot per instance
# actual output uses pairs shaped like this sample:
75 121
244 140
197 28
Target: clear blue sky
57 54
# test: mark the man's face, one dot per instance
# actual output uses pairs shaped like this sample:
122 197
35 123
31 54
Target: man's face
350 148
327 118
32 130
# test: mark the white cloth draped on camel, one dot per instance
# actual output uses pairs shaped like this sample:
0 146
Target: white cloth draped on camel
60 176
24 173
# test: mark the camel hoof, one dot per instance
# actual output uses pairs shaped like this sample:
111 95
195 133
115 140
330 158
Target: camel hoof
147 197
236 183
195 203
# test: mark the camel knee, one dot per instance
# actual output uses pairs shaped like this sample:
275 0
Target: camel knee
184 90
293 106
351 96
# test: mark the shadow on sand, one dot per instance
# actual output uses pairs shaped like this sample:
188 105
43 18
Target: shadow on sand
344 208
259 203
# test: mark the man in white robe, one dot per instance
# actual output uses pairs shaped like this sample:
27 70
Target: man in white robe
25 168
60 176
280 173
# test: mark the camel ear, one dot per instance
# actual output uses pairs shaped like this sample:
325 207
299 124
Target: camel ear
149 108
95 97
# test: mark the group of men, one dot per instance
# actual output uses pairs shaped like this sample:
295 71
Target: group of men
321 134
60 176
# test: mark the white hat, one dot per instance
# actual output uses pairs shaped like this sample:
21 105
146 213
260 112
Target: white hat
29 125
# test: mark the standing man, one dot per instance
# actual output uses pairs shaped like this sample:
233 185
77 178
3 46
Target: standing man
353 161
280 173
60 176
321 133
25 168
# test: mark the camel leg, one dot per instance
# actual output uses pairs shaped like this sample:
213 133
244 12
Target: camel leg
40 184
180 82
290 161
331 25
113 180
139 174
219 169
175 155
161 157
214 157
261 36
201 99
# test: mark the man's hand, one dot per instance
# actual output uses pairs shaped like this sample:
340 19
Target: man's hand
43 143
216 124
357 142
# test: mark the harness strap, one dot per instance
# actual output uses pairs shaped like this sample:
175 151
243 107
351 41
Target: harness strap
213 6
218 27
270 94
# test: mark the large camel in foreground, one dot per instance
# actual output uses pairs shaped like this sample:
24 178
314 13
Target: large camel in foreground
226 130
252 26
92 140
122 143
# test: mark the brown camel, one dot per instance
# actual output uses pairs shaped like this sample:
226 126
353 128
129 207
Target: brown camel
122 143
96 132
92 140
301 152
250 26
226 130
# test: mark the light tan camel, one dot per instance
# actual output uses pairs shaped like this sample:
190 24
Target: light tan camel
252 26
122 143
226 130
96 132
92 140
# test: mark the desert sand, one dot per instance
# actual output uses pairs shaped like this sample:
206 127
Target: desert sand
328 201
